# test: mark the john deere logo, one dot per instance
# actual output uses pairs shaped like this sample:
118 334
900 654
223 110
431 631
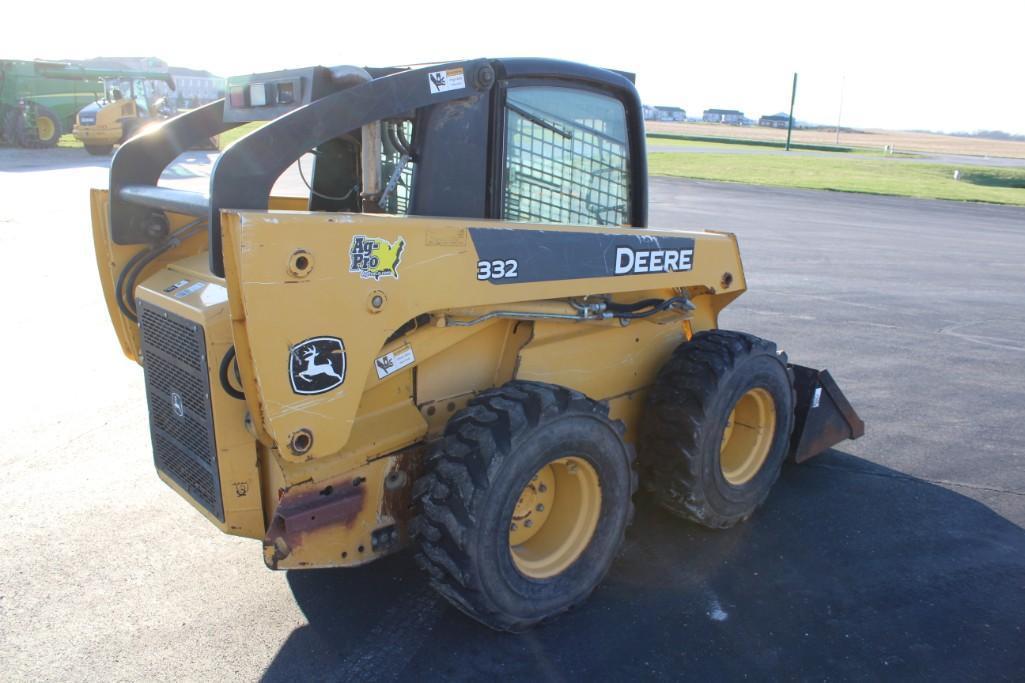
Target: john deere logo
177 405
317 365
373 257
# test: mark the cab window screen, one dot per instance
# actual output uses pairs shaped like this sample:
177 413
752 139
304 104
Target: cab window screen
395 166
567 157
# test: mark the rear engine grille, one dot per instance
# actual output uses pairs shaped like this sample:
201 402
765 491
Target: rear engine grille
178 393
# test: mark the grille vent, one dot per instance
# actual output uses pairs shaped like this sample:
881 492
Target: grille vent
178 394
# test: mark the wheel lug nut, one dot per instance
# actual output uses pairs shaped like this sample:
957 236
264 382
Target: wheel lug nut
542 488
540 507
512 527
571 468
529 523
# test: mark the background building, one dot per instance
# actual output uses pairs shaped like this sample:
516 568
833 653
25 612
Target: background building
658 113
194 87
723 116
774 121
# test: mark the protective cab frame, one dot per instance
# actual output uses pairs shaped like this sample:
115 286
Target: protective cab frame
245 173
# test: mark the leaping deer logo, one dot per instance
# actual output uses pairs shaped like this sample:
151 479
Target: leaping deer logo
317 365
313 368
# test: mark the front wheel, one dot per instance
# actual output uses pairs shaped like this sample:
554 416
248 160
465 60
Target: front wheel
524 503
45 133
48 127
717 427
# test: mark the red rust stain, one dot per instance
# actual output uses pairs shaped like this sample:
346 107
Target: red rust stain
398 488
306 511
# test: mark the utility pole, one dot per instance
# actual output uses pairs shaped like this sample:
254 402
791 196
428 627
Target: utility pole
839 113
790 122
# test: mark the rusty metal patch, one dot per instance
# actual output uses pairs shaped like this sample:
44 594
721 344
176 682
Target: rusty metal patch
398 491
301 513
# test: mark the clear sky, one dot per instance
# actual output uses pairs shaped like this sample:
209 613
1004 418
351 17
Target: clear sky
907 65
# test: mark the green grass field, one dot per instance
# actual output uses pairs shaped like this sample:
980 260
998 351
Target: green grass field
702 144
235 133
703 141
666 140
848 173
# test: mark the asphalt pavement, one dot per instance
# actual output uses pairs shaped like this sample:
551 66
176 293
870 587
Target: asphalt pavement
900 556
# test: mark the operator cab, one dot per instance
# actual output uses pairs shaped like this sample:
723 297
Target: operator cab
141 92
553 147
530 140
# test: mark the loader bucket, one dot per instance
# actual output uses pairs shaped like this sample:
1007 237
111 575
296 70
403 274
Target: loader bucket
823 416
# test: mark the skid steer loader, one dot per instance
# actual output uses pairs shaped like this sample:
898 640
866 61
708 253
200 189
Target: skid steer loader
458 340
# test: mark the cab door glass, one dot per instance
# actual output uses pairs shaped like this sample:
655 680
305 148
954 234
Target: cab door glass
566 157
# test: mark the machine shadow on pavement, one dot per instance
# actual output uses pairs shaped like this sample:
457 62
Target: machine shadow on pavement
850 570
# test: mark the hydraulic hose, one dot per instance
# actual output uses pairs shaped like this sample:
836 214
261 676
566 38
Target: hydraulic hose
124 288
657 308
226 363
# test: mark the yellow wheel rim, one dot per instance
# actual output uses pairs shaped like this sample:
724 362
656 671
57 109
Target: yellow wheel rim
555 517
44 127
747 438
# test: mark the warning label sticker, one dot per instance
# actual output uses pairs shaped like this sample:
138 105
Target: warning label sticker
191 289
443 81
392 362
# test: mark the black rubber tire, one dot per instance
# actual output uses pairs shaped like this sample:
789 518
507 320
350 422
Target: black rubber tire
473 478
29 137
687 411
10 125
99 150
128 129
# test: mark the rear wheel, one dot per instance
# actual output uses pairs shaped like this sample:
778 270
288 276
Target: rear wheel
129 127
99 150
717 427
524 503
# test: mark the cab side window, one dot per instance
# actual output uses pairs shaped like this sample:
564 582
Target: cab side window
566 157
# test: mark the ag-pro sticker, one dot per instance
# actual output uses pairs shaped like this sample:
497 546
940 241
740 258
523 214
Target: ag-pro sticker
373 257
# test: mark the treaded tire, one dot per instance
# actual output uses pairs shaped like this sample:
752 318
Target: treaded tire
471 484
99 150
129 127
687 412
11 129
31 138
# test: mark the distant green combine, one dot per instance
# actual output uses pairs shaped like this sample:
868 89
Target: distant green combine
39 100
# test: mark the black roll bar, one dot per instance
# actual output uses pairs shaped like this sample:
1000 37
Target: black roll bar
138 164
245 173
